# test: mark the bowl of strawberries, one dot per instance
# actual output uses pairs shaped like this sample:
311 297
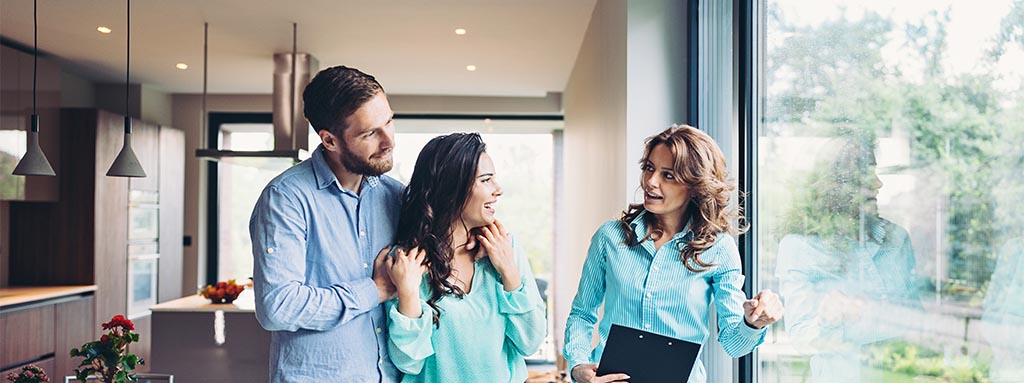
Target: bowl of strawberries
222 292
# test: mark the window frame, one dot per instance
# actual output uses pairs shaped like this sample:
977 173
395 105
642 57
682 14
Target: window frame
215 120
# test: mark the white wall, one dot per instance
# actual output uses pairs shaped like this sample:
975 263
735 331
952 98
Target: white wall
551 104
594 152
76 92
656 77
156 106
628 83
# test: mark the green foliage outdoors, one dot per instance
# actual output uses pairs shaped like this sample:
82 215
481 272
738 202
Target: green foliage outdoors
965 133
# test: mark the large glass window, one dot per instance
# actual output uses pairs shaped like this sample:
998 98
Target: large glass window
890 149
240 180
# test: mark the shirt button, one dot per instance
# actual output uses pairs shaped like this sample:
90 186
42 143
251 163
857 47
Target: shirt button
378 330
366 265
380 362
270 250
648 295
647 326
362 233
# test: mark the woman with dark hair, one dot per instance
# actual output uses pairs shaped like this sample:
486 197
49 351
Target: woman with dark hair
464 313
660 266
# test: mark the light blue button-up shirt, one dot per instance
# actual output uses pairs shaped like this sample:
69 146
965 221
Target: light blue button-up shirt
653 290
314 244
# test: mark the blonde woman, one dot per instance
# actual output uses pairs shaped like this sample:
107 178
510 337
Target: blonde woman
660 266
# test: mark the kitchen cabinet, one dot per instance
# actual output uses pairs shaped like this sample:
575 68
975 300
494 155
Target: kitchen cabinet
123 235
40 325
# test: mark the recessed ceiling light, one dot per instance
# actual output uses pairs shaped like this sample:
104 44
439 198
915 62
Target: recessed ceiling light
471 67
181 66
460 31
487 120
103 29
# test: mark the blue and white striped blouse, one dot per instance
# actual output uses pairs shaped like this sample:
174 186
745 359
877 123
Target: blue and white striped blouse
653 290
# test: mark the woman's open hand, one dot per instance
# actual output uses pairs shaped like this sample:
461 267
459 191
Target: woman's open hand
497 244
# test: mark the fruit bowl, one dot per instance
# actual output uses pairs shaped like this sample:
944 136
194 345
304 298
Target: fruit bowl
222 292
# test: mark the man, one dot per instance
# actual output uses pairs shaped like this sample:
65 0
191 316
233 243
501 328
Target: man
315 231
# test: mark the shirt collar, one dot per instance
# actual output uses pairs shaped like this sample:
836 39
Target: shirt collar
325 177
639 226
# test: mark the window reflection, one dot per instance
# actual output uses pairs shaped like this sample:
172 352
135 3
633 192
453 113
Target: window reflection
888 193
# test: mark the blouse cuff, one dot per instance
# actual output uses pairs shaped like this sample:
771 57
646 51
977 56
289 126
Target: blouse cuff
516 301
750 332
406 324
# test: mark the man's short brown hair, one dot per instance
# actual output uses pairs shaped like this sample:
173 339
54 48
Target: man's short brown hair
334 94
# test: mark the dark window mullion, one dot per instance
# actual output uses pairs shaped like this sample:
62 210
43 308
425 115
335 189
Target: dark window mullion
745 17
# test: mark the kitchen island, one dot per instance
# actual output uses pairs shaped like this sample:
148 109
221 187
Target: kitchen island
197 341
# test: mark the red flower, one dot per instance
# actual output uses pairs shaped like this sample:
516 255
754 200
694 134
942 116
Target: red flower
104 338
119 321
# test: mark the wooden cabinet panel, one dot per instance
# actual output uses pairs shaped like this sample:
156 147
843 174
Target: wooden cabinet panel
73 328
143 326
27 335
146 143
111 228
172 213
45 364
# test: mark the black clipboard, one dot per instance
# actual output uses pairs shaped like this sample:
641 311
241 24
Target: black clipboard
647 357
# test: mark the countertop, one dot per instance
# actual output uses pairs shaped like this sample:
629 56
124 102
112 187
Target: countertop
12 296
246 302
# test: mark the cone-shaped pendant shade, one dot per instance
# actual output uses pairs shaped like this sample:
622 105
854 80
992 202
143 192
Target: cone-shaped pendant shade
34 162
126 164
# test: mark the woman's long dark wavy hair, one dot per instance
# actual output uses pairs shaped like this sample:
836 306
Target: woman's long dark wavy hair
700 165
432 205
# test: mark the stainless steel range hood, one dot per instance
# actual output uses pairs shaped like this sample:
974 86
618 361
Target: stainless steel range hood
291 129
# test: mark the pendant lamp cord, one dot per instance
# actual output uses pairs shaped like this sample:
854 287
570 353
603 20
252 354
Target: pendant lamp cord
128 54
35 51
206 38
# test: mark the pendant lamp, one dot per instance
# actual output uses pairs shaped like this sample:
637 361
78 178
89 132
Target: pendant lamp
127 164
34 162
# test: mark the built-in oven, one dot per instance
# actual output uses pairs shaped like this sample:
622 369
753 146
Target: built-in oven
143 251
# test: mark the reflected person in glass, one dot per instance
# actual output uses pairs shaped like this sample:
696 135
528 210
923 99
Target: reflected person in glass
316 231
1003 314
660 266
846 274
468 308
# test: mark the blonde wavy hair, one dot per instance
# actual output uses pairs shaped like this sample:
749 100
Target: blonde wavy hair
700 165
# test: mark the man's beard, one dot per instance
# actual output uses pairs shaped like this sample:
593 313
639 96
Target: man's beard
362 166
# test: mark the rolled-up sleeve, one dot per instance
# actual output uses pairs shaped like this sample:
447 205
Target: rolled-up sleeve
736 336
283 302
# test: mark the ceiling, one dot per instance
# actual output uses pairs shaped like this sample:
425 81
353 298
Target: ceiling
520 48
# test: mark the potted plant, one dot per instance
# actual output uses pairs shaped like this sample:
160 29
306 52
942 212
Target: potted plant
108 358
28 374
